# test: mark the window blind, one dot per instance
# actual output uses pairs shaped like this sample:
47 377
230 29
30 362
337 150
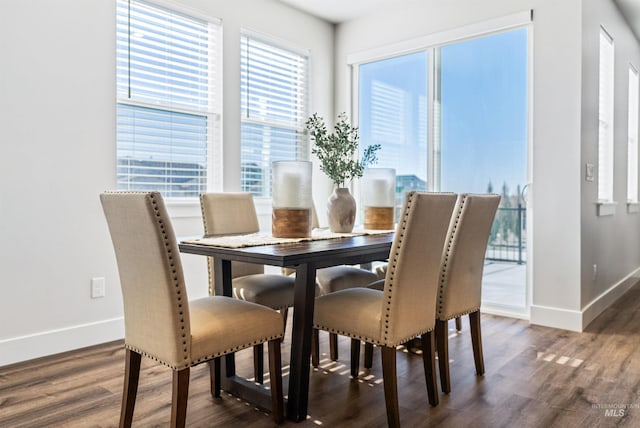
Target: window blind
605 132
168 83
274 108
632 168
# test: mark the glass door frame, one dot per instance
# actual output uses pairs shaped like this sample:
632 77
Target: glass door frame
431 44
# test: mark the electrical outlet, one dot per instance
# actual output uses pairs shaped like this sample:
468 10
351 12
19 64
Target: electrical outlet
595 271
97 287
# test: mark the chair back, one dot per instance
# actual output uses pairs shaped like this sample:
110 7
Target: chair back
156 310
227 213
411 282
463 260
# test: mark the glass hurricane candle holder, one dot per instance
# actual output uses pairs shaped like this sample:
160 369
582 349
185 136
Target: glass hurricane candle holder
379 194
292 200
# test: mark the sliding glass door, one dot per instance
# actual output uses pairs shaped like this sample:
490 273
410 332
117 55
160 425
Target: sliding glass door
454 118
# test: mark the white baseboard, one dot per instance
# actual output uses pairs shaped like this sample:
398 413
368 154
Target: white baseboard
556 317
578 320
604 300
23 348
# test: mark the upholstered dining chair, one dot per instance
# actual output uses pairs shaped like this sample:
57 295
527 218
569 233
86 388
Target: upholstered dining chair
460 288
232 214
407 305
161 323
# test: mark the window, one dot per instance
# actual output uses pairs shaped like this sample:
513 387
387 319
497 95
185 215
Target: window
632 142
168 106
273 89
605 132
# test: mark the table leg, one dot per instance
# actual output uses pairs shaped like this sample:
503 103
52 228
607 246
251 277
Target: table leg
223 287
303 303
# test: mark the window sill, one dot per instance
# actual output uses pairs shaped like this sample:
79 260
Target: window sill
606 208
183 208
633 207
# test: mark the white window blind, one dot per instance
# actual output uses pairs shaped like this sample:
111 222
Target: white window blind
605 133
632 168
168 103
274 108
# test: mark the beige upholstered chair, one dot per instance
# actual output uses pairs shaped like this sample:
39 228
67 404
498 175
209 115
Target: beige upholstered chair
161 323
461 275
235 213
407 306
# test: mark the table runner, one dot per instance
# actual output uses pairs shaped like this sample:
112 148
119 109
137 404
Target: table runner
257 239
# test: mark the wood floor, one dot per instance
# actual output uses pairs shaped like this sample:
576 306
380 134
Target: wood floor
535 377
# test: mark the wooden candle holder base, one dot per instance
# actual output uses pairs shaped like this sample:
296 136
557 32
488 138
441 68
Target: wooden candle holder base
291 223
378 218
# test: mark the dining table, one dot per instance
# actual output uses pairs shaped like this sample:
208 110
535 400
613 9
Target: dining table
305 256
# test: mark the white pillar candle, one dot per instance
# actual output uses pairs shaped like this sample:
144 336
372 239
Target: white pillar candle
289 193
378 193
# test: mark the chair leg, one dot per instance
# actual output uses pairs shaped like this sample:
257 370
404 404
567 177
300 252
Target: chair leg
179 399
368 355
275 376
442 344
476 341
390 385
459 323
131 377
258 363
315 348
355 358
285 313
429 360
214 371
333 346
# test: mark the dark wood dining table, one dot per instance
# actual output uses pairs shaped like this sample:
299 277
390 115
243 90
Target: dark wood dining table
305 257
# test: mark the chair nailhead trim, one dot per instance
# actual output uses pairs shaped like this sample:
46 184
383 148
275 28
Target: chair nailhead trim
172 264
394 262
444 273
368 339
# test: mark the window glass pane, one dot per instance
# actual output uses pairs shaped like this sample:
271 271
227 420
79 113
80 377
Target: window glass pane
483 99
393 113
161 150
273 92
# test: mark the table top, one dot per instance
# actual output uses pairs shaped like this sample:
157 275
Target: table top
348 250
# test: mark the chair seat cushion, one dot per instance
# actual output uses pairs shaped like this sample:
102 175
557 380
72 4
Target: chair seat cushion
355 312
338 278
378 285
220 325
274 291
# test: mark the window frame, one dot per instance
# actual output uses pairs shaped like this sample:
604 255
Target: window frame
632 138
302 151
606 99
212 157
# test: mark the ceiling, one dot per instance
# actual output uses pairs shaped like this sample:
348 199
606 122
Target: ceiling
337 11
631 10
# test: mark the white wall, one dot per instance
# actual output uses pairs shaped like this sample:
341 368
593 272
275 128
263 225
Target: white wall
57 153
610 242
554 195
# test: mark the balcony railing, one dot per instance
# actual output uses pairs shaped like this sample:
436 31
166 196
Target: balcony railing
508 239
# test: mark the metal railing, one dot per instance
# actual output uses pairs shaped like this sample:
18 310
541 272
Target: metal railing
508 239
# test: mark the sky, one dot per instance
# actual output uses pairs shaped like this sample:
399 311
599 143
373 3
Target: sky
483 112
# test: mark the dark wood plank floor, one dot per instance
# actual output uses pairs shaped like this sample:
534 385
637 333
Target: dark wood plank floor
535 377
